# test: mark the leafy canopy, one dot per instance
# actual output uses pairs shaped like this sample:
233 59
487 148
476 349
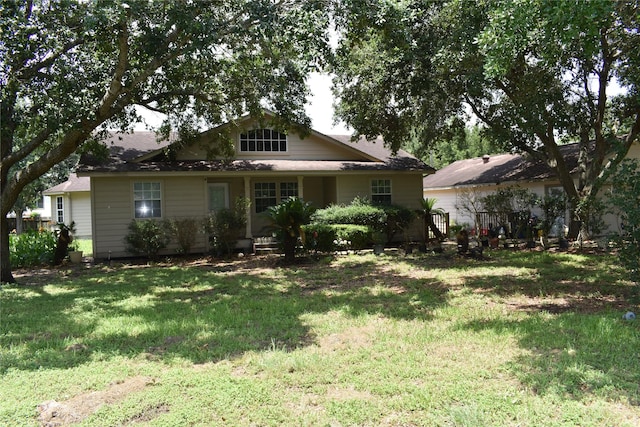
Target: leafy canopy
71 69
536 73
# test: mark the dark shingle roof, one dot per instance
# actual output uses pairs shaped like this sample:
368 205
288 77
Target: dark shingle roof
73 184
126 149
498 169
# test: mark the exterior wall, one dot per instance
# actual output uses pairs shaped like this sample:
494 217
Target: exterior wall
405 188
112 200
79 208
311 147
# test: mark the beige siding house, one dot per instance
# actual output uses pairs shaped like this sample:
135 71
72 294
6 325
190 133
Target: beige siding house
70 201
454 184
146 179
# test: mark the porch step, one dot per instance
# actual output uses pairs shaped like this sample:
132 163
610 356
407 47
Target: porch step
265 245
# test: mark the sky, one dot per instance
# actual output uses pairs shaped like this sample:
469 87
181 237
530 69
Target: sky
319 108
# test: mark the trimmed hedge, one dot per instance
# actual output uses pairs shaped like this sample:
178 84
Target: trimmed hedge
328 237
388 220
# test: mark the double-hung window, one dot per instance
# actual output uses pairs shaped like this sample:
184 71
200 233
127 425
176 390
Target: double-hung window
287 190
265 195
60 209
381 191
147 200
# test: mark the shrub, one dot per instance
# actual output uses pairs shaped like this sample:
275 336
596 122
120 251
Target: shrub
320 237
31 248
382 220
184 230
226 226
358 236
358 213
147 237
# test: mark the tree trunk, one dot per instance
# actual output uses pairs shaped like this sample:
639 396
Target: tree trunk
5 262
432 226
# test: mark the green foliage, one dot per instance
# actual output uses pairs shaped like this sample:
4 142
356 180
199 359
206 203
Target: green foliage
72 69
287 220
32 248
226 226
184 230
320 237
355 213
147 237
508 200
388 220
553 205
625 198
536 74
358 236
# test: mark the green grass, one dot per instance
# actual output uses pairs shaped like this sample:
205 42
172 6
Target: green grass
523 338
85 245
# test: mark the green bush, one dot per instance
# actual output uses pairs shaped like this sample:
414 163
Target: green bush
320 237
358 236
226 226
147 237
31 248
357 213
184 230
385 220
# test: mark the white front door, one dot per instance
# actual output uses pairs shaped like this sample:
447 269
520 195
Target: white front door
218 196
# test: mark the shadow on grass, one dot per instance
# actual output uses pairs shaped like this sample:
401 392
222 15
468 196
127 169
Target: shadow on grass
201 314
574 355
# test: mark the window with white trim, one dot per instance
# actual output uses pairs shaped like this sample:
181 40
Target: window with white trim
264 195
263 140
60 209
381 191
147 200
287 190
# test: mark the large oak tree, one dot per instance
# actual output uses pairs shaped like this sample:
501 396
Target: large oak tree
71 69
536 73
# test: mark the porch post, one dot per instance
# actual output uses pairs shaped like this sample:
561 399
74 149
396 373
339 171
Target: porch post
300 187
247 194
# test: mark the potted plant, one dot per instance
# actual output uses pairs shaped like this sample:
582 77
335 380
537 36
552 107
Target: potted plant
379 240
75 254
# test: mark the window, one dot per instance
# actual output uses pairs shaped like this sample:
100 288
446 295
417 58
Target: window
40 203
147 200
59 209
265 195
288 189
261 140
381 191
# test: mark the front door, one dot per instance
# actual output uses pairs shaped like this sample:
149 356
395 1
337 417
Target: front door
218 196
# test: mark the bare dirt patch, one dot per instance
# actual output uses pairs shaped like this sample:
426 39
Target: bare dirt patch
76 409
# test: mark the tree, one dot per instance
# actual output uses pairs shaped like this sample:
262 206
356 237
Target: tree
536 73
428 210
287 220
71 69
462 142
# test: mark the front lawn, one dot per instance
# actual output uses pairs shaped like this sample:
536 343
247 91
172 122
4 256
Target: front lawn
519 339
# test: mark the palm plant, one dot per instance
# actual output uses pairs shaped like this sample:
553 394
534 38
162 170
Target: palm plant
428 209
286 220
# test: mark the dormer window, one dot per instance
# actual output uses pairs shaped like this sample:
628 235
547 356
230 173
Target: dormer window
261 140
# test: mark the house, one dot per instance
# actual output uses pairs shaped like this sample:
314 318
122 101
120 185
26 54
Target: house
456 183
144 179
70 202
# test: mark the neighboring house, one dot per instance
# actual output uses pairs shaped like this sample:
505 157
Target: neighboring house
146 180
32 219
455 183
70 201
